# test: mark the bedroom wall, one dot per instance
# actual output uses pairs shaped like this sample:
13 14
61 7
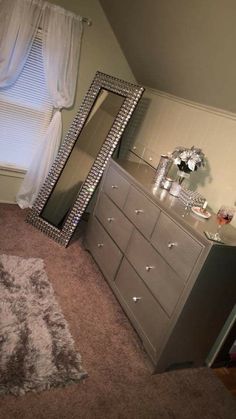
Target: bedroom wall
162 122
183 47
100 51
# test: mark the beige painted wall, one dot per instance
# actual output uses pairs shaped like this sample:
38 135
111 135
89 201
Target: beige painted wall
100 51
10 181
163 122
183 47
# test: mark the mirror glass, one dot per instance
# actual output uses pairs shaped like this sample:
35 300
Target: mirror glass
89 144
82 157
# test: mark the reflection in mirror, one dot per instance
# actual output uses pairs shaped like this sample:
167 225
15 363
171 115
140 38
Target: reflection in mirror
90 142
82 157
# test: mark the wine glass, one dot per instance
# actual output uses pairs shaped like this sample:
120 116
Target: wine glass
188 205
224 216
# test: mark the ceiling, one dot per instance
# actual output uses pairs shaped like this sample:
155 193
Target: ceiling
186 48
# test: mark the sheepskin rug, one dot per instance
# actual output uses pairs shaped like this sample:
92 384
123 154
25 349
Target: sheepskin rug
36 348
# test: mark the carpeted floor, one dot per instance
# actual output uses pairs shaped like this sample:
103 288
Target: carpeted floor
119 384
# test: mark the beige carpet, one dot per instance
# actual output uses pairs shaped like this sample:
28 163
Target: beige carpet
119 384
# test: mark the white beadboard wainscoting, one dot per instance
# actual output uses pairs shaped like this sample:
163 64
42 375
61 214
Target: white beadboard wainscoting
163 122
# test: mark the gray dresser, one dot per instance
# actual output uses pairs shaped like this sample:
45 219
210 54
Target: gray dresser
176 287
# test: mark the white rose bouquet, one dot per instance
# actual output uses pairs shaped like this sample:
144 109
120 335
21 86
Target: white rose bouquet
188 159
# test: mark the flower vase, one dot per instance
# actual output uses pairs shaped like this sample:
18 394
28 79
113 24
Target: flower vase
182 176
177 185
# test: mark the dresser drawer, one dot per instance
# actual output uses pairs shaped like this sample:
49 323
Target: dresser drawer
116 187
162 281
117 225
177 247
103 249
148 316
141 211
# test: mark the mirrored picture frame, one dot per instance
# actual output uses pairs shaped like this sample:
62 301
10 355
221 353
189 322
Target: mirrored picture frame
130 94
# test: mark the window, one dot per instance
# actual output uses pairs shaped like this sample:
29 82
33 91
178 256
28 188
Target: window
25 112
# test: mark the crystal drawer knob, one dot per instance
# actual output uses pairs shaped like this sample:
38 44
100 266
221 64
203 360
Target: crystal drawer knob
172 244
136 299
148 268
114 186
138 211
100 245
110 219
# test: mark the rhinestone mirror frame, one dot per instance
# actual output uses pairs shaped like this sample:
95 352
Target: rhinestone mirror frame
132 93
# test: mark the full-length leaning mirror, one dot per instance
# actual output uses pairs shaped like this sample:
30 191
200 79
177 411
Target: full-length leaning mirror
82 158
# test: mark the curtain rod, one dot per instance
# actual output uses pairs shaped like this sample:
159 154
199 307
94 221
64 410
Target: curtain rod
83 19
87 20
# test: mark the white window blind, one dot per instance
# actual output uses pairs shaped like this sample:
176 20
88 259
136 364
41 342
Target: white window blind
25 112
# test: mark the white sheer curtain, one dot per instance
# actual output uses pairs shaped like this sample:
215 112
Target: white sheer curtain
19 21
62 34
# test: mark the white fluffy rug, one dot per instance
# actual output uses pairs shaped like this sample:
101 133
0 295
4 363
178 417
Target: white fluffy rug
36 348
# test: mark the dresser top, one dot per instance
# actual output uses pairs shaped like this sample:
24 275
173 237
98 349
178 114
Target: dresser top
143 176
